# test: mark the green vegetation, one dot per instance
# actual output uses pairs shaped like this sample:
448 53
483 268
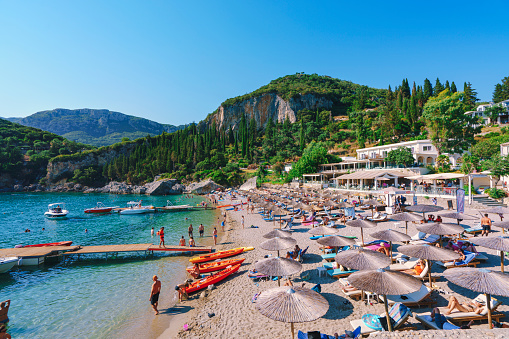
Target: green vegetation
401 156
496 193
501 91
25 151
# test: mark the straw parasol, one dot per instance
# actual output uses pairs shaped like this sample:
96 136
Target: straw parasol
406 217
440 228
277 233
480 280
495 243
362 259
362 224
323 230
428 253
277 244
336 241
292 305
278 267
500 210
384 282
390 236
343 204
459 216
422 208
372 203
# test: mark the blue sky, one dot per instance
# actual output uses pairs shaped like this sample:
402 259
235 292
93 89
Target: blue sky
175 62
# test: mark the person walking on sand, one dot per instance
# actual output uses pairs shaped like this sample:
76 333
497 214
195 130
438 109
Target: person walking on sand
154 293
190 230
214 234
242 221
222 224
201 229
160 233
486 225
182 241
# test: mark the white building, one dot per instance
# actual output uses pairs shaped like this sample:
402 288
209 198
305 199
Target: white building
503 118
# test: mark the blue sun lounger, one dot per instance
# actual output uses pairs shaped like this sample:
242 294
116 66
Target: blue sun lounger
337 273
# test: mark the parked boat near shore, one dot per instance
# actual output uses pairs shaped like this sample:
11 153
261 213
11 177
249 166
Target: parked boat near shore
56 210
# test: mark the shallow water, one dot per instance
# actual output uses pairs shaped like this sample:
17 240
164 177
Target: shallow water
92 297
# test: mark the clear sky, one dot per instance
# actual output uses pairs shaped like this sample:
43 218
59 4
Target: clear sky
176 61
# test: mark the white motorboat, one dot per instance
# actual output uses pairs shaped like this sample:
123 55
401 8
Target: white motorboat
135 207
8 263
56 210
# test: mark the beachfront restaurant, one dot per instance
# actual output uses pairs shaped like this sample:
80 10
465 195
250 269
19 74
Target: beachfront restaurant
371 180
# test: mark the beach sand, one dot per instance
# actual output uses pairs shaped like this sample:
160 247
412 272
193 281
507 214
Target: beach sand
236 316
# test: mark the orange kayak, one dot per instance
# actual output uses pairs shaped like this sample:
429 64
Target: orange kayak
217 255
212 279
218 265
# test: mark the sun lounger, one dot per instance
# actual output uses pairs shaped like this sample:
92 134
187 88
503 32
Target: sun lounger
459 317
468 261
398 312
425 319
477 228
300 257
337 273
355 334
329 257
407 265
354 294
418 298
431 239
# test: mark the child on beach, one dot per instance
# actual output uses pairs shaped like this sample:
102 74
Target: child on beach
182 241
242 222
214 234
154 293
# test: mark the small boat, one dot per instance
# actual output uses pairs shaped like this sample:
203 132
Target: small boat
212 279
217 266
99 208
61 243
217 255
135 207
8 263
56 210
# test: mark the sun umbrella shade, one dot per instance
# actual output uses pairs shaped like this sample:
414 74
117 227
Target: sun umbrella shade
322 230
276 234
406 217
308 208
277 243
372 202
292 304
428 252
343 204
384 281
496 243
498 210
278 267
459 216
502 224
391 235
440 228
424 208
480 280
361 223
336 241
329 203
361 259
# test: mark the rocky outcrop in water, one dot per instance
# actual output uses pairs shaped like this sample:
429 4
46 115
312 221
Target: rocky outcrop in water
203 187
264 107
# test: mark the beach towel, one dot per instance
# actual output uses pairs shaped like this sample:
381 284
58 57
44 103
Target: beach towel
469 256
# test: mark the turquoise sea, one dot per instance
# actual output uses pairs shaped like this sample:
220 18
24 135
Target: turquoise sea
92 297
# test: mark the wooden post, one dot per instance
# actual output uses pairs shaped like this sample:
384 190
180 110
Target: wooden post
488 305
362 237
429 272
387 314
293 334
502 261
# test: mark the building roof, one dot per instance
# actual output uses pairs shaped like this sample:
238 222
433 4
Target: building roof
399 144
437 176
372 174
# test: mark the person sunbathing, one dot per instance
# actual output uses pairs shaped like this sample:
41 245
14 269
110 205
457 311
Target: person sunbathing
417 270
288 282
440 320
384 250
195 272
467 306
348 288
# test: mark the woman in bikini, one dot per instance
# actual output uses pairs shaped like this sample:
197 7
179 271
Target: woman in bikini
417 270
467 306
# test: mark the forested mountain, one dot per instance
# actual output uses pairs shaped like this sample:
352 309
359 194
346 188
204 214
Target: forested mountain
25 151
94 127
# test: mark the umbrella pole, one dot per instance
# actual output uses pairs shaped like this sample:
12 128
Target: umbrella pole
390 244
429 273
387 314
293 334
488 305
406 227
362 237
502 261
278 282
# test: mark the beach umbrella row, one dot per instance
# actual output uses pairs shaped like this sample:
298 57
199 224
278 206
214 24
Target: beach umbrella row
499 243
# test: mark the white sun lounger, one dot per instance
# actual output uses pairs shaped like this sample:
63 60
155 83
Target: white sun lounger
418 298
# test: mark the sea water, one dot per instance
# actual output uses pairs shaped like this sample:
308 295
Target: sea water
92 297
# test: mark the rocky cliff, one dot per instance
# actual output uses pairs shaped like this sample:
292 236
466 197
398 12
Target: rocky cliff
267 106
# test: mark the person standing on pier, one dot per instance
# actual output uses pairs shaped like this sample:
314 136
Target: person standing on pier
201 229
190 230
161 236
154 293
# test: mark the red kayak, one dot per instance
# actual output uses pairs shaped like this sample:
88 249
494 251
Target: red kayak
217 266
212 279
61 243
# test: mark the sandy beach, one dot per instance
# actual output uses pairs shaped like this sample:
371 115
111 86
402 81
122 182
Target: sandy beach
236 316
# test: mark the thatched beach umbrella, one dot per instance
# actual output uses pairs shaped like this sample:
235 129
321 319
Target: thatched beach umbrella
440 228
372 204
500 210
278 267
292 305
495 243
362 259
429 253
323 230
459 216
406 217
384 282
277 233
336 241
422 208
480 280
343 204
361 224
391 236
277 244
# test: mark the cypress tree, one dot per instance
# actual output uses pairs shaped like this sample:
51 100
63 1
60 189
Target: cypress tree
447 85
302 141
469 96
438 87
453 87
428 89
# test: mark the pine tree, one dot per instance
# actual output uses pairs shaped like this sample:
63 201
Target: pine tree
414 90
453 87
447 85
501 91
469 97
427 90
405 89
438 87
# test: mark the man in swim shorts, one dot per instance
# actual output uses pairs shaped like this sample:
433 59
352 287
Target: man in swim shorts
154 293
201 229
486 225
190 230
